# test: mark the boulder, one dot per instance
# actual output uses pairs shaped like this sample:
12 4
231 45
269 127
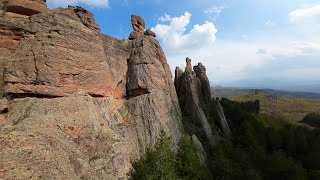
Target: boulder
16 8
138 23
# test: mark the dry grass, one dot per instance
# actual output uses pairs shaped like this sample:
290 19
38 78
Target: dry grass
289 109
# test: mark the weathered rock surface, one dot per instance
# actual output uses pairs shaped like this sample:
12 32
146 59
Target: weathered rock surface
203 117
205 90
23 8
4 105
82 105
201 152
61 53
187 86
220 117
148 70
138 23
150 33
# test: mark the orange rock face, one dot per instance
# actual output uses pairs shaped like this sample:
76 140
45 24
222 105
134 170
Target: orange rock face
67 57
138 23
25 7
9 38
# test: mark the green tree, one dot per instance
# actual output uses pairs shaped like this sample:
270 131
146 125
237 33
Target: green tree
159 163
189 164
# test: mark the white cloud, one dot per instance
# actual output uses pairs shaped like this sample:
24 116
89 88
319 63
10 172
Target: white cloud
64 3
306 14
214 10
289 49
174 37
165 18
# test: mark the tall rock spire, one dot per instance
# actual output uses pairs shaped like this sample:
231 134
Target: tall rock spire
201 112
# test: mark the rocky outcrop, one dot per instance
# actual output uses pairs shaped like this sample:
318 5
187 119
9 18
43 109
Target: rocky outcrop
221 119
138 23
202 155
23 8
148 70
204 88
83 105
203 117
187 86
150 33
62 53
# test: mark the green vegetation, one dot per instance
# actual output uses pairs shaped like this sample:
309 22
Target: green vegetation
159 163
289 109
162 163
263 148
312 119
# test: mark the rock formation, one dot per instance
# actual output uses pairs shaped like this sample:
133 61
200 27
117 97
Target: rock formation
138 23
203 117
23 8
221 119
82 105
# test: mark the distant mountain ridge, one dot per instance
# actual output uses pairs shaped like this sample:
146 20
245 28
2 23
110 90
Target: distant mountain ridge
235 91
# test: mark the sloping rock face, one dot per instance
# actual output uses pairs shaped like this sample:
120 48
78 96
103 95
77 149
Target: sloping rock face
221 119
82 105
203 117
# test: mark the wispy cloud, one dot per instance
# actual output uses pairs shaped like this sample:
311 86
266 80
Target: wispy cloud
306 14
164 18
214 10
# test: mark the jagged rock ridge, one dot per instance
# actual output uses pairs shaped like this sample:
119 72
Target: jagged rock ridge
82 105
204 116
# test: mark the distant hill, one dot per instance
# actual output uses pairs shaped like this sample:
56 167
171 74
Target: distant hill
219 91
286 108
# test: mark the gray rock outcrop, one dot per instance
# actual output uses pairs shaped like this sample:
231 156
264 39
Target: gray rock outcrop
203 116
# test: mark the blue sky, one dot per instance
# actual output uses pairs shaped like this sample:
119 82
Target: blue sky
248 43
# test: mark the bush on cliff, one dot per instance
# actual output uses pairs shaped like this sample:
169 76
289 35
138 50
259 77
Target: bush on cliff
163 164
159 163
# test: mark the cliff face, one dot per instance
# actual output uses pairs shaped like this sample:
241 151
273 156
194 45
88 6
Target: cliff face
203 116
78 104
